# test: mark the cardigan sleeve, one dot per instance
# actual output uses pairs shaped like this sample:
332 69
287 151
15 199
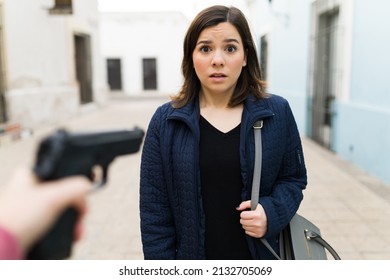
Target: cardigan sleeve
157 226
9 246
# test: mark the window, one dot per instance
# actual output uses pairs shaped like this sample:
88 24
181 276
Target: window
61 7
150 73
114 73
264 56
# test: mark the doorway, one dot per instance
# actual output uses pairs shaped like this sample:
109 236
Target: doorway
324 78
83 66
150 73
114 73
3 113
264 56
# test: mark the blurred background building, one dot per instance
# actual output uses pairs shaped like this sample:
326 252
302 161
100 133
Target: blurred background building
143 51
51 66
330 59
142 43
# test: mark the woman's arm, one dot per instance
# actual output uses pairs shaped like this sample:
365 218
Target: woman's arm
157 229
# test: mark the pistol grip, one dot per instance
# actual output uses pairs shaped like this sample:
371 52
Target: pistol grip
57 243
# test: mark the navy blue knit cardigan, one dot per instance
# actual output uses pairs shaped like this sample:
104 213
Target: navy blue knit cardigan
172 217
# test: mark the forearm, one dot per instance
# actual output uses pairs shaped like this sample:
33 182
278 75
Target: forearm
280 206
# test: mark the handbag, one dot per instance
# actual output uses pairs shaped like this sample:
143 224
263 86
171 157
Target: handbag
300 239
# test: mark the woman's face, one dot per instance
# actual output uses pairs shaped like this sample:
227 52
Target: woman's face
218 58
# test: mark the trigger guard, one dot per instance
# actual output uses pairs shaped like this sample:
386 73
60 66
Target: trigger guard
98 176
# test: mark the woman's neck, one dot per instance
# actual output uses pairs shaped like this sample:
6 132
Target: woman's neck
218 101
216 111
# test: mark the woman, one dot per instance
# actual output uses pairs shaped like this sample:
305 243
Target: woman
198 154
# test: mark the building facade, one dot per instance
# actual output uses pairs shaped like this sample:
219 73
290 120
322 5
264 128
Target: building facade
143 51
51 66
329 58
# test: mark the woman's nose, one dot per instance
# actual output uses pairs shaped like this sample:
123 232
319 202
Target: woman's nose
218 59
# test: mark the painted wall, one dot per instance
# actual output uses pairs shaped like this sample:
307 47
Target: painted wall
41 84
371 56
363 120
287 25
363 137
361 132
132 36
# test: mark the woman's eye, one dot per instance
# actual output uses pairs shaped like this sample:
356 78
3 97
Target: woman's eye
231 49
205 49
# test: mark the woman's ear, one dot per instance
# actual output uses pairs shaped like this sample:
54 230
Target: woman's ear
244 62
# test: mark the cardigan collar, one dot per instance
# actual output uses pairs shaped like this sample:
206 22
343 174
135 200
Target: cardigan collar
254 110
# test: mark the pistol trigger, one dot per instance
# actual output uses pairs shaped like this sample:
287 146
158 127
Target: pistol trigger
99 175
97 185
104 177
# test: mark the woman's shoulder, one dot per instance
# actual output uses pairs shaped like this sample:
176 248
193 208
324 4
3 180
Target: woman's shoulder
160 114
272 102
270 98
276 104
163 109
276 99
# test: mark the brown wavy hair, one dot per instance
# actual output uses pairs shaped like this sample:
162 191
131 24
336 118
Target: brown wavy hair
250 80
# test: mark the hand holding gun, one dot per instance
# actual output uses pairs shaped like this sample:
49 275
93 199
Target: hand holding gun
65 154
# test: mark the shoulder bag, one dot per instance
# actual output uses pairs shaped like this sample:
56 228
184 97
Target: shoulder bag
301 239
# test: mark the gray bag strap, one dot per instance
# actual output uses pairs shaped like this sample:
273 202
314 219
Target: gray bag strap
257 176
257 169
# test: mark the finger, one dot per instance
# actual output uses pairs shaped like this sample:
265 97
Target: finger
246 215
253 231
79 227
244 205
68 191
81 206
249 230
22 178
249 215
247 222
253 234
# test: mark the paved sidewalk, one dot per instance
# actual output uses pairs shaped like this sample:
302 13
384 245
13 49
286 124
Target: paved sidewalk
351 208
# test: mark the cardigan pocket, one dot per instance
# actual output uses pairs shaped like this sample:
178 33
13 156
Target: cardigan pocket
299 161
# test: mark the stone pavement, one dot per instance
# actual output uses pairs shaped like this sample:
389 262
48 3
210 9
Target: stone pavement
351 208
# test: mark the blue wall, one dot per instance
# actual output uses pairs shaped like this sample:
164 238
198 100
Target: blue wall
289 53
361 128
363 138
362 123
370 72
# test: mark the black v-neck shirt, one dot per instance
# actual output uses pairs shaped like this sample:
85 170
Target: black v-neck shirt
221 183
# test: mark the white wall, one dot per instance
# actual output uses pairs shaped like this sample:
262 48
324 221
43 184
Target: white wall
136 35
41 85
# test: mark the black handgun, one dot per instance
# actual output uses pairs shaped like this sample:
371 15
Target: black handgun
65 154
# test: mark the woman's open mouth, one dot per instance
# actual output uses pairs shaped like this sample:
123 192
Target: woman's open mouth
218 76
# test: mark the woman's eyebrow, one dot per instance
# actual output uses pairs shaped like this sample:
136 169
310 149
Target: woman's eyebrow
229 40
205 42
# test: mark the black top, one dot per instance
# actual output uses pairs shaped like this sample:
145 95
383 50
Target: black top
221 182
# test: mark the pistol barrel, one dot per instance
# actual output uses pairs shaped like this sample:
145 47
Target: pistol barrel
65 153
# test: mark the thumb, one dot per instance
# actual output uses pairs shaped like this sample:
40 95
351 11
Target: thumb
244 205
